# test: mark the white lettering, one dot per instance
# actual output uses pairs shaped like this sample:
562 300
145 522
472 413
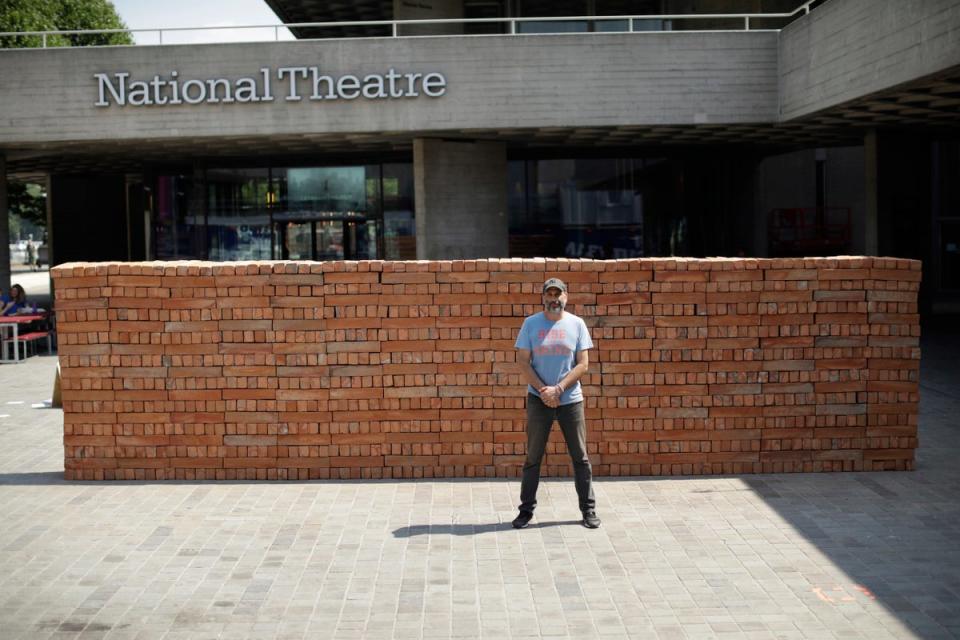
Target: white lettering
267 96
348 83
139 94
201 95
412 83
157 85
434 85
292 94
103 80
373 87
175 86
119 89
212 90
392 77
246 90
317 79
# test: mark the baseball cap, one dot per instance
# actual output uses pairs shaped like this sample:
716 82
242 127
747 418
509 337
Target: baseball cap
554 282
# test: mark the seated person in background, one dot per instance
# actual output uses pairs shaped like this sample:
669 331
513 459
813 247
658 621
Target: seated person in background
14 302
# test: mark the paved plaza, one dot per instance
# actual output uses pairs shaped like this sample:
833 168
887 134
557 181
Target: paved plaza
855 555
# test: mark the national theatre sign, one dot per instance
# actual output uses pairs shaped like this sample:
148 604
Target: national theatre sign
293 84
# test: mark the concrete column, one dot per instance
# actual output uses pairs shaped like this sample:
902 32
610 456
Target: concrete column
4 228
461 199
51 250
871 239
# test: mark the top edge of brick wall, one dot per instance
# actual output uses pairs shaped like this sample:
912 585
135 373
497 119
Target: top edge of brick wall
545 265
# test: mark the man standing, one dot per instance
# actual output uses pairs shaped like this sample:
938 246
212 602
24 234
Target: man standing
31 254
552 353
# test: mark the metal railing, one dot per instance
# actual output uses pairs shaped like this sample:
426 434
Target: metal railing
631 22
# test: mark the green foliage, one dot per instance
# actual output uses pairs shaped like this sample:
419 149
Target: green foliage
28 202
60 15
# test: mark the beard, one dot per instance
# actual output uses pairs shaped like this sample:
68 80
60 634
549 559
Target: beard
554 306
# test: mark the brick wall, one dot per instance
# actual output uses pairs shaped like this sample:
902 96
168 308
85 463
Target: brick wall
407 369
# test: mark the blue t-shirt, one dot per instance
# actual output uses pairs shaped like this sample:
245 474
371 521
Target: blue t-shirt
4 299
553 348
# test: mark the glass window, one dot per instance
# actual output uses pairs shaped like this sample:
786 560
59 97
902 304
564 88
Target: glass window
399 224
298 213
324 191
948 212
238 216
590 208
950 255
331 213
296 240
361 239
178 227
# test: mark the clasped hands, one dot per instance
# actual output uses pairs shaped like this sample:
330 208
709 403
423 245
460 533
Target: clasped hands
550 395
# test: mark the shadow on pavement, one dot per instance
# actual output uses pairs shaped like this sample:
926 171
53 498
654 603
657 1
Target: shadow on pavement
39 478
894 534
471 529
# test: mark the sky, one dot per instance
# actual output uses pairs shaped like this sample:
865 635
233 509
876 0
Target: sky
153 14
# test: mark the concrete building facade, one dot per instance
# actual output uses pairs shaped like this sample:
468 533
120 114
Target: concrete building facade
631 131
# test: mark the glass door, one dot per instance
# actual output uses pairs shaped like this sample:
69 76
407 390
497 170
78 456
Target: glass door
361 239
327 239
294 240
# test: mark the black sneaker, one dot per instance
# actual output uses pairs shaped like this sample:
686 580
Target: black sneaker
590 520
522 519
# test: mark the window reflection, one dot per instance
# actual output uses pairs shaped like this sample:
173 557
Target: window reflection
361 212
324 191
399 228
178 230
592 208
238 219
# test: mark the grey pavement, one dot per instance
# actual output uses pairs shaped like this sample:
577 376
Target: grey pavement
855 555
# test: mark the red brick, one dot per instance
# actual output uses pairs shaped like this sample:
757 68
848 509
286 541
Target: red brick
409 370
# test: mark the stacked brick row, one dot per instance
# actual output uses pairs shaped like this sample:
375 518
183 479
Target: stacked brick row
288 370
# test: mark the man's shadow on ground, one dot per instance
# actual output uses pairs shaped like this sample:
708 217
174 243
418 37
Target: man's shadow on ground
470 529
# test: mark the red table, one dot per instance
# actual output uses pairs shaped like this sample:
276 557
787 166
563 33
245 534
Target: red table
13 323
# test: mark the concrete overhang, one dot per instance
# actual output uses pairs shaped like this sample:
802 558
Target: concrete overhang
584 86
850 50
298 11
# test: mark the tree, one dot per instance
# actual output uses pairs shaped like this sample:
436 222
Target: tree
60 15
27 210
28 202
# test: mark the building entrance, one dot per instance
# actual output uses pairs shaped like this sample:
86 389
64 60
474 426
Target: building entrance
328 238
359 212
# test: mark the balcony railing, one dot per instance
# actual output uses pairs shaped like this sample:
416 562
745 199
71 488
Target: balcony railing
524 26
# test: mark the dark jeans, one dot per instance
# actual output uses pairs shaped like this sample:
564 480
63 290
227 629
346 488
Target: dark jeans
540 419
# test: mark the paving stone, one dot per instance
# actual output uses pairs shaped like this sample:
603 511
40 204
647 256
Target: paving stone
807 556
